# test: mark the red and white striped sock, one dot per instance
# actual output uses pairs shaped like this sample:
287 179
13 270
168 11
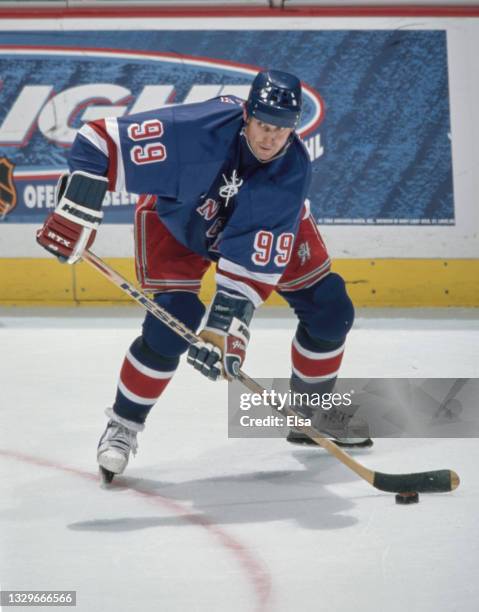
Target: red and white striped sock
141 385
315 366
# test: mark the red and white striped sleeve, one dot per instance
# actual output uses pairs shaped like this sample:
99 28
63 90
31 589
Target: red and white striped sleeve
104 135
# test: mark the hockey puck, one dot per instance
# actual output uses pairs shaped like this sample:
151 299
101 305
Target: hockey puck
407 498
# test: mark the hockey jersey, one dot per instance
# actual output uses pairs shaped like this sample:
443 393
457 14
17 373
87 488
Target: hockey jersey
213 194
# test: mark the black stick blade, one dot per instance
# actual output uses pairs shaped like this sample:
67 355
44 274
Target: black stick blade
437 481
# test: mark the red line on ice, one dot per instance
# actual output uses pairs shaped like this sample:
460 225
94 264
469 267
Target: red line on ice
254 569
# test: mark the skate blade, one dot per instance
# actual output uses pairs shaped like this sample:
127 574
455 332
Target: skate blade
343 444
106 476
362 444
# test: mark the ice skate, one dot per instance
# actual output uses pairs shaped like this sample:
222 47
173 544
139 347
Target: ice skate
342 427
115 445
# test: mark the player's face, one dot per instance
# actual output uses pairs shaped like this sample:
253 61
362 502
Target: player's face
266 140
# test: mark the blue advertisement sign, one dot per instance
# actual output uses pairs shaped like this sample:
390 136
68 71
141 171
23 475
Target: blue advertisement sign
375 122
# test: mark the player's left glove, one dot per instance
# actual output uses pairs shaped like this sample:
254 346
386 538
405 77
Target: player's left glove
226 336
71 228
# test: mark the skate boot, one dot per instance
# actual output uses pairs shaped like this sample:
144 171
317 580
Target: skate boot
115 445
342 426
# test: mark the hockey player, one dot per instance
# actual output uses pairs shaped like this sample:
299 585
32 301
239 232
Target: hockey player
227 182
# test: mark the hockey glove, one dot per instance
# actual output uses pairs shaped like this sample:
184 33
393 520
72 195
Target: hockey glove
226 335
71 228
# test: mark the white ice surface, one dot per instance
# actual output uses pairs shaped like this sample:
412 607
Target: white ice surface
206 523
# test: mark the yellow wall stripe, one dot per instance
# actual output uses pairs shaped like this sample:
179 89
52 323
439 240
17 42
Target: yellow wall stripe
370 282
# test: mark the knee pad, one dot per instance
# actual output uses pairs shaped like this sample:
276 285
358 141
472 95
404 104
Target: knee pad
325 310
185 306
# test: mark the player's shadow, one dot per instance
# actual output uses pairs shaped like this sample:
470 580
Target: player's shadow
300 496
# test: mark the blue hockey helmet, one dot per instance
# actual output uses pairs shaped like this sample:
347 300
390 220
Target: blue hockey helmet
275 98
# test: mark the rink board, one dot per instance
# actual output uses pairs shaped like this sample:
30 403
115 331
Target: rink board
393 160
370 282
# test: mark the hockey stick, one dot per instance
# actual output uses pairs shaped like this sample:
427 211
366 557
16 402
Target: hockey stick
436 481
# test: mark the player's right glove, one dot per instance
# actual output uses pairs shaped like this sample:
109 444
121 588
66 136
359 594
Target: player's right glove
226 336
71 228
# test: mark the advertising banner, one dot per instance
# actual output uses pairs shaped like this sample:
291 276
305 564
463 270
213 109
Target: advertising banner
376 119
